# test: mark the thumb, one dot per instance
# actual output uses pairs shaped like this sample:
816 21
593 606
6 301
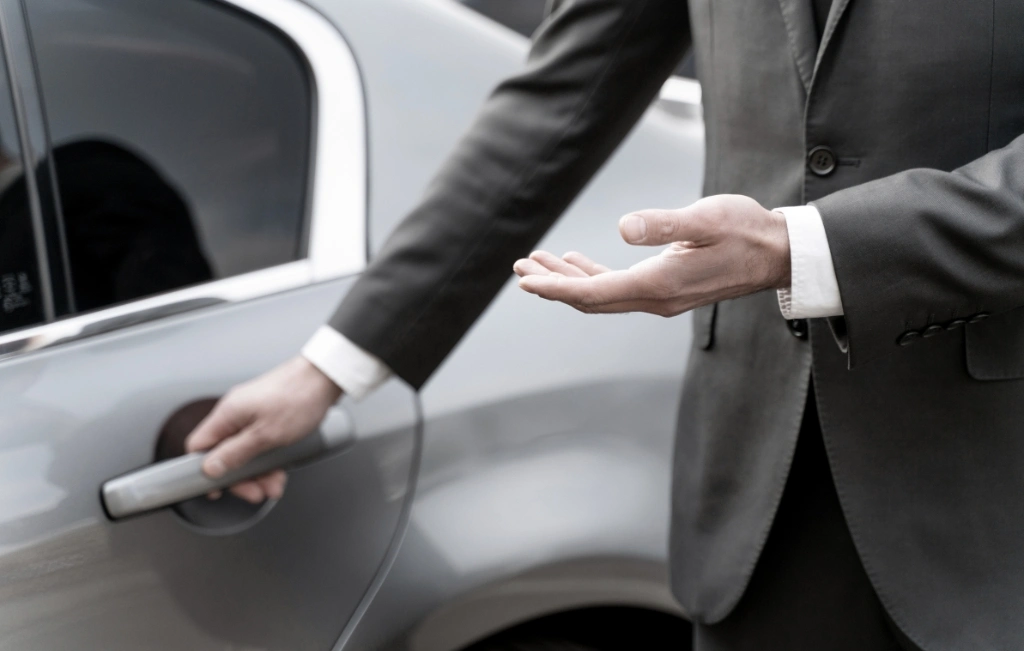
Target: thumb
657 227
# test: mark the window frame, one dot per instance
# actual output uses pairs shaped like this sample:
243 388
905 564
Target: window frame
336 239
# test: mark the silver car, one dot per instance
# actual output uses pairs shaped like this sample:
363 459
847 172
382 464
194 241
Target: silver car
187 189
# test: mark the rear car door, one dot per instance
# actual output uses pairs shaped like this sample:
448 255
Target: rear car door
182 204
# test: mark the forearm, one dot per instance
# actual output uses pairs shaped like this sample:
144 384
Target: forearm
926 247
538 140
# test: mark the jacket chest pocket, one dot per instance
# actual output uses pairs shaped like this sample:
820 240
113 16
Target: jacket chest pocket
995 347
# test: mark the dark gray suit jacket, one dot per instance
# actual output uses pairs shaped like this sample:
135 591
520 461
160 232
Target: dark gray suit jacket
922 103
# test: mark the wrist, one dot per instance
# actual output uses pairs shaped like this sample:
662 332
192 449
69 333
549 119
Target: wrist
779 256
318 382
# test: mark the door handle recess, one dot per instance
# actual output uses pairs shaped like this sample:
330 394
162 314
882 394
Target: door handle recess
182 478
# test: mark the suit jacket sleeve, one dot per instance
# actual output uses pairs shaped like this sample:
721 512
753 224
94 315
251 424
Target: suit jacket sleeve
594 67
926 247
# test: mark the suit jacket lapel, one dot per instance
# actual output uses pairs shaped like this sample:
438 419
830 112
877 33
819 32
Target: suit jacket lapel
803 43
835 14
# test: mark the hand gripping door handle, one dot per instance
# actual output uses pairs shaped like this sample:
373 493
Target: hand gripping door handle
181 478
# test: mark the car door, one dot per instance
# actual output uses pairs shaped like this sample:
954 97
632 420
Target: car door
182 204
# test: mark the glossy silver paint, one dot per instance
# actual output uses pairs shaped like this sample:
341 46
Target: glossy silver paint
81 414
546 437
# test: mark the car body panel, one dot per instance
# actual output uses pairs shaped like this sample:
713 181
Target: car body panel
73 580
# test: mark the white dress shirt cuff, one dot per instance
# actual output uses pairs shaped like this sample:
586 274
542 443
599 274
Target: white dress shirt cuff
813 290
353 369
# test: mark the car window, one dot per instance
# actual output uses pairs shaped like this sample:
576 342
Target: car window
180 136
21 290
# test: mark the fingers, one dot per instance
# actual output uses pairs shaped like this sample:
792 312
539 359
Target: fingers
221 423
599 303
557 265
237 451
249 490
624 307
584 263
543 263
590 292
657 227
265 487
528 267
273 484
572 264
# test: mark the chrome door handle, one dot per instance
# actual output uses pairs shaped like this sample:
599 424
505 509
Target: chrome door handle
182 478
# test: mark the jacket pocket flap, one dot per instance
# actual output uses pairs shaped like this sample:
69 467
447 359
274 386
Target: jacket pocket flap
995 347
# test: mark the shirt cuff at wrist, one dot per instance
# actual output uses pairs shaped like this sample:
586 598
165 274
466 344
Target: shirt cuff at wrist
814 291
353 369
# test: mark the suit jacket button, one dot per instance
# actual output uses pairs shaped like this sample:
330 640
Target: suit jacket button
908 337
980 316
798 328
822 161
932 330
955 323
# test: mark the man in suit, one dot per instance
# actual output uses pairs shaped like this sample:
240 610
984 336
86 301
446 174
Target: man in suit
848 458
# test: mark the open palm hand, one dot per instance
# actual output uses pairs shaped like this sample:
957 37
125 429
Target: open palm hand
720 247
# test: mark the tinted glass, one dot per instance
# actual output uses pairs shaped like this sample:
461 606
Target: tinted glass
181 140
21 300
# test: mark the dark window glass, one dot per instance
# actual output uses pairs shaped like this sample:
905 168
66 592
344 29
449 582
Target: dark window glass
21 289
180 136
